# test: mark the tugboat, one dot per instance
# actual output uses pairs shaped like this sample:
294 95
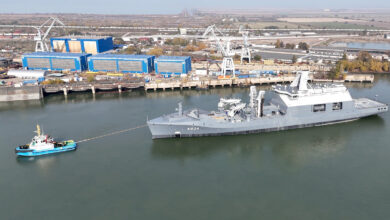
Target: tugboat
43 144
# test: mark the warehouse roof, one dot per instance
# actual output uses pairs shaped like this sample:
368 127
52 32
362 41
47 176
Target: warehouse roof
174 58
57 54
121 56
86 37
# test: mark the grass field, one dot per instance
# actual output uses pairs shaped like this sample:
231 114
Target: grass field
279 24
336 25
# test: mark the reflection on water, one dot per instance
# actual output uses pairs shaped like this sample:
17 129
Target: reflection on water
291 148
20 105
44 162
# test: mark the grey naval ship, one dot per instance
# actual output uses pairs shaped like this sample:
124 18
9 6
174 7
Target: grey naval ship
297 105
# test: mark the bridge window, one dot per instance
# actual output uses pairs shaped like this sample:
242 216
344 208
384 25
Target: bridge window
337 106
319 108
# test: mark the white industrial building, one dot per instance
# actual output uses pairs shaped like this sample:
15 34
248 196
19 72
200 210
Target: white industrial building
27 74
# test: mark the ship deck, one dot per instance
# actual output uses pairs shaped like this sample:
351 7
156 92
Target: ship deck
368 103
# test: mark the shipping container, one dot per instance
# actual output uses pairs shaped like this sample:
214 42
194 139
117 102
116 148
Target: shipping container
55 61
172 65
123 63
82 44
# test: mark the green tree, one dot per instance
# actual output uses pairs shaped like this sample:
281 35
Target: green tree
344 57
279 44
290 46
271 27
74 32
90 78
119 40
294 59
303 46
132 50
257 57
364 56
157 51
386 66
236 57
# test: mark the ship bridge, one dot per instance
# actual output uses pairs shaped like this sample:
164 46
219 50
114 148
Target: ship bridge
300 92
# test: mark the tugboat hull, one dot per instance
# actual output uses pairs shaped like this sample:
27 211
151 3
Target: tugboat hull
32 153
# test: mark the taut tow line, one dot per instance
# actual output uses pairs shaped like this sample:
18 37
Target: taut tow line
112 133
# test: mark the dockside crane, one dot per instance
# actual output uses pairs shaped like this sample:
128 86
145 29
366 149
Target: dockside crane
40 38
224 48
245 51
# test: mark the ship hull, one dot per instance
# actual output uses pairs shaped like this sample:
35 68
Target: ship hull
33 153
239 132
160 128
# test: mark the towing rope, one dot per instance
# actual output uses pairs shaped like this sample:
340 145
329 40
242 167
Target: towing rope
112 133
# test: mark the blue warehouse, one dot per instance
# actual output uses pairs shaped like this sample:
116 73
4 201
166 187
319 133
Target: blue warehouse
168 65
55 61
82 44
121 63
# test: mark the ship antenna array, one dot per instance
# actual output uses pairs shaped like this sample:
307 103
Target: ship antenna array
112 133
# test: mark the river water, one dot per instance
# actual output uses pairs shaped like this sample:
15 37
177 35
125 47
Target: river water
332 172
363 45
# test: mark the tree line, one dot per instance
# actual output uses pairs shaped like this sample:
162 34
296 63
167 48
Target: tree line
363 63
301 45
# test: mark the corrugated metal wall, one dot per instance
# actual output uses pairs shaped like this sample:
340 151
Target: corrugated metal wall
38 63
130 66
104 65
67 64
90 47
170 67
59 46
74 46
173 65
121 63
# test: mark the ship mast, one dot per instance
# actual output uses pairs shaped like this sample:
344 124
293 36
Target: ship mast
38 131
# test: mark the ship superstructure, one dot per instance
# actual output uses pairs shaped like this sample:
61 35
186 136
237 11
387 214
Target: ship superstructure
297 105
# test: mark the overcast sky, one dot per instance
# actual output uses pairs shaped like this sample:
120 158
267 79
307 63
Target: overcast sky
173 6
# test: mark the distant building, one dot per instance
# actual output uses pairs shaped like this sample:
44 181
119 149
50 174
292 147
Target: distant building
183 31
82 44
4 62
269 62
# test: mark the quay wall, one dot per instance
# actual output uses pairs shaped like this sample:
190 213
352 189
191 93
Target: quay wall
20 93
274 67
